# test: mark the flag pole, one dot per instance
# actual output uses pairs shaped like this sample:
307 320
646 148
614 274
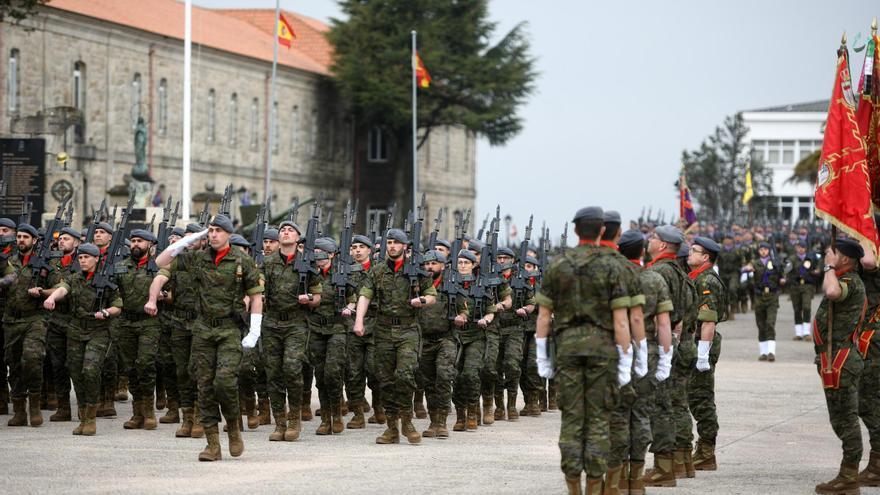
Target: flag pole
187 109
272 112
415 163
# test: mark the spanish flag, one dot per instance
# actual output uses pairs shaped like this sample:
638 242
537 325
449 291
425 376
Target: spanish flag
285 32
423 79
747 195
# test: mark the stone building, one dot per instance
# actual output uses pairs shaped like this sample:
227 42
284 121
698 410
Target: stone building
106 63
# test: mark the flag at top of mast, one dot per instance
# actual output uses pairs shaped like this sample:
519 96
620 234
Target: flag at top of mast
423 79
285 32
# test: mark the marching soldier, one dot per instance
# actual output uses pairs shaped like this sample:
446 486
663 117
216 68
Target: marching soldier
396 333
224 278
360 348
88 336
587 293
114 385
166 371
7 251
270 242
802 275
712 306
841 368
768 279
729 268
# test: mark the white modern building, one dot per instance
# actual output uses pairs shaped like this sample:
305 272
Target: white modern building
780 137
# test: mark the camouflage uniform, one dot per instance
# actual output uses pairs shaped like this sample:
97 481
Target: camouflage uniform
166 370
532 385
5 255
396 335
489 373
216 344
439 348
181 315
746 292
56 339
472 356
869 347
701 390
766 280
360 351
842 398
139 332
285 333
802 286
582 288
730 265
25 328
510 355
88 339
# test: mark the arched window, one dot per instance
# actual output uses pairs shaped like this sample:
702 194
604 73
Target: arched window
135 99
12 82
233 120
255 122
162 113
212 117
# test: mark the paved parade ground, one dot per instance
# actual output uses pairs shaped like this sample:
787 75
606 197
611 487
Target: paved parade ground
774 438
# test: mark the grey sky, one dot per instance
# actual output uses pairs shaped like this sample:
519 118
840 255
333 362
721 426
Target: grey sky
625 86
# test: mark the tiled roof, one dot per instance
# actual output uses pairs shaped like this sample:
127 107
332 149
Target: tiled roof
210 28
810 106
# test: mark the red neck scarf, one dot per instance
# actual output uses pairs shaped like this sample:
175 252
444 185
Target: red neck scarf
838 273
66 260
143 261
90 274
507 275
103 250
586 242
438 280
325 271
636 262
25 259
287 258
610 244
220 255
696 273
662 256
395 265
7 249
367 264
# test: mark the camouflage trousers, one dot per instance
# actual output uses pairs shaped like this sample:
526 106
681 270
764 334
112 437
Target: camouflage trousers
138 346
56 348
216 359
683 361
843 408
489 373
113 362
284 353
869 398
181 353
437 370
327 355
530 381
249 372
360 368
631 420
4 370
587 395
166 370
471 360
397 362
509 361
766 306
85 359
801 302
701 400
25 349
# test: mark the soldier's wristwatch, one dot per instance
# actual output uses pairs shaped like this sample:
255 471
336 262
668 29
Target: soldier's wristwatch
828 268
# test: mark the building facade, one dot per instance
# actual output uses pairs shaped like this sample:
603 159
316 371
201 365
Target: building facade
111 62
780 137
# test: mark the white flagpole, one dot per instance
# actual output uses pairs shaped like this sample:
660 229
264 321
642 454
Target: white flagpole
415 151
272 116
186 195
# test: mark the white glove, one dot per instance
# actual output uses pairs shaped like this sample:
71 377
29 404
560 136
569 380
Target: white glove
250 340
703 355
743 278
545 366
624 365
641 368
182 243
664 366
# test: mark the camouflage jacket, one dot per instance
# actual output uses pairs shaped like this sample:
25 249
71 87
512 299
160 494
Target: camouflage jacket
358 276
803 271
681 291
81 299
730 263
326 318
184 291
20 305
871 281
386 285
582 288
509 318
767 275
711 298
434 320
849 311
134 281
65 267
657 301
282 288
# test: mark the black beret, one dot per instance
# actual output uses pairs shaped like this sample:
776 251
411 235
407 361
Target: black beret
631 236
321 255
589 213
611 216
27 229
708 244
464 253
194 228
238 240
764 244
505 251
270 234
476 246
143 234
178 231
89 248
106 227
434 255
72 232
669 234
444 243
397 235
288 223
7 222
362 239
683 251
532 260
326 244
223 222
849 248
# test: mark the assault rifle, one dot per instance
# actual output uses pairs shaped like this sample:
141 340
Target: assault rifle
481 288
432 239
226 202
519 282
162 237
205 215
96 217
174 215
451 283
257 234
412 268
25 216
343 260
305 261
68 216
103 278
563 239
372 230
388 226
483 228
40 262
294 211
